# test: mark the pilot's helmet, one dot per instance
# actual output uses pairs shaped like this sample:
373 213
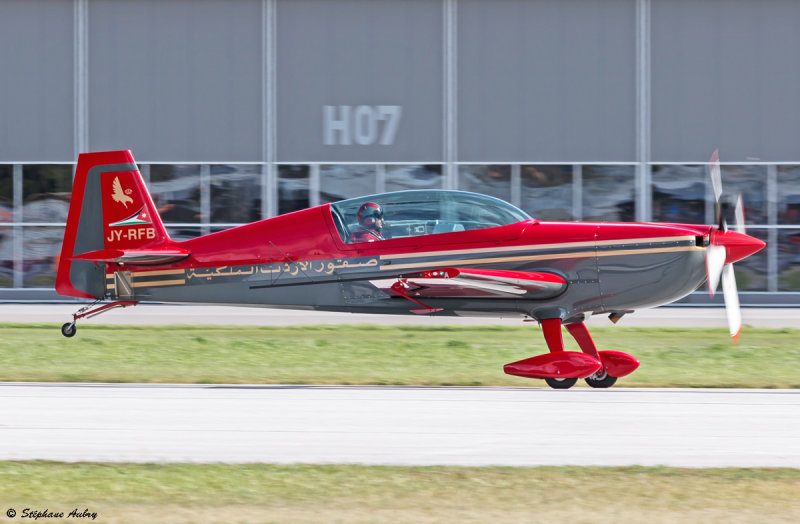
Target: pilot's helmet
368 214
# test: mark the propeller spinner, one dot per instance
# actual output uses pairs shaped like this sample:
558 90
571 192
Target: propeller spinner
725 248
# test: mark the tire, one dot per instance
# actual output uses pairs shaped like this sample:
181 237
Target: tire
561 383
68 329
601 380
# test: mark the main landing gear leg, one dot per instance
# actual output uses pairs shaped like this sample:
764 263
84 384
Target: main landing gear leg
69 329
615 364
560 369
551 328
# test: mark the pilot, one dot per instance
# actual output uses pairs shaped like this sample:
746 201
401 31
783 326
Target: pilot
370 223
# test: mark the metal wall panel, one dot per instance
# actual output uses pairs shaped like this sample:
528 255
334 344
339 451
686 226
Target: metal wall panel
550 81
36 90
359 80
176 80
725 75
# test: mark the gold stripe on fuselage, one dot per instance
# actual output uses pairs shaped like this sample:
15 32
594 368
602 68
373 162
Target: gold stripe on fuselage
158 273
542 247
154 283
528 258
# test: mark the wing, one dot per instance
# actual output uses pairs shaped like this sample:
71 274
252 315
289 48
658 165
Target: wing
474 283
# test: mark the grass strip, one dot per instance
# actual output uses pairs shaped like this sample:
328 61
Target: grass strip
349 493
374 354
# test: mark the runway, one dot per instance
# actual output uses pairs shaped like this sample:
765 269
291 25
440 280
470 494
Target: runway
399 425
204 315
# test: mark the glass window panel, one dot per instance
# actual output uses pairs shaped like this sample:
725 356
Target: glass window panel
6 233
488 180
751 182
293 188
788 195
751 273
399 178
6 194
6 263
546 192
788 259
41 247
609 193
184 233
679 193
340 182
46 190
176 192
6 257
236 193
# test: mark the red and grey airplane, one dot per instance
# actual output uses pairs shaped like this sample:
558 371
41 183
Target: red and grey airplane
409 252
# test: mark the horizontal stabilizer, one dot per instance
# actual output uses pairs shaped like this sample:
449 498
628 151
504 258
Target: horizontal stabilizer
135 256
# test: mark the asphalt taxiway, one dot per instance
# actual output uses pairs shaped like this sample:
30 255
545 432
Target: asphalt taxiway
399 425
199 315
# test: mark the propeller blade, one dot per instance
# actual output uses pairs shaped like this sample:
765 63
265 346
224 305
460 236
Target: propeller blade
716 175
716 183
739 213
717 253
715 262
731 302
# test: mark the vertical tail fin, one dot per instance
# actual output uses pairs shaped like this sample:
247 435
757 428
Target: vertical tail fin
112 219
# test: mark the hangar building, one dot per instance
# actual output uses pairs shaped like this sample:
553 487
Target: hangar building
243 109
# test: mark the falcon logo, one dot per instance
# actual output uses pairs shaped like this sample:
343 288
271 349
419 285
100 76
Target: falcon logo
119 195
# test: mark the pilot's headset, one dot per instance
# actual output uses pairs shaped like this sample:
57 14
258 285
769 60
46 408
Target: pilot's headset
368 214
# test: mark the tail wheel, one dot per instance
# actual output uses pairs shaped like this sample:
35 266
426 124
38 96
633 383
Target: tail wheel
561 383
601 379
68 329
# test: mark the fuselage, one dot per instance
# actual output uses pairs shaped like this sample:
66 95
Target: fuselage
299 260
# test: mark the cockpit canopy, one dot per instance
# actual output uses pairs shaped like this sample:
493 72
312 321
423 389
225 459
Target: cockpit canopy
414 213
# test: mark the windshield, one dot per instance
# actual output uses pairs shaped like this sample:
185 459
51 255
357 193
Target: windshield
413 213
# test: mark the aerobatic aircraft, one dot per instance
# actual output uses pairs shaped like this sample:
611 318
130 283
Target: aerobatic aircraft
409 252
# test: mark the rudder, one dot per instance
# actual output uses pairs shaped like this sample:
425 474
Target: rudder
111 215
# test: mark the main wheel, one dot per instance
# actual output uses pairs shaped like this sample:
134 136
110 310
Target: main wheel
601 379
561 383
68 329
